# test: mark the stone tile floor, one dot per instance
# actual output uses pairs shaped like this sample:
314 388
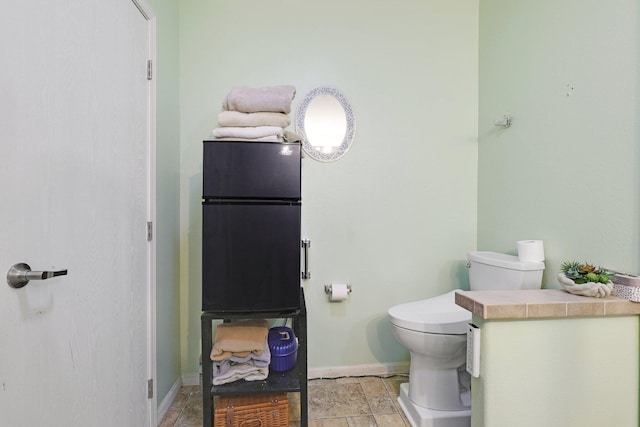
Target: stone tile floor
342 402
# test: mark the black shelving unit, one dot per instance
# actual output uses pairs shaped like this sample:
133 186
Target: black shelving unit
294 380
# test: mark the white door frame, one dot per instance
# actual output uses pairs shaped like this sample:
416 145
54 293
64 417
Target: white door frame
152 403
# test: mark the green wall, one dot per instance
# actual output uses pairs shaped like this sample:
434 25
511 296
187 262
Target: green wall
396 216
167 192
561 372
566 171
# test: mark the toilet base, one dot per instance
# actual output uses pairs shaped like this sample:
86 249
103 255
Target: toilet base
419 416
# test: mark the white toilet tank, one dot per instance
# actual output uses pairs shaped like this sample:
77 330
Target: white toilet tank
489 271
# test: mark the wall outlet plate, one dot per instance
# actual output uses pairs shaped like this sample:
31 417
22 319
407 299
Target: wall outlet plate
473 350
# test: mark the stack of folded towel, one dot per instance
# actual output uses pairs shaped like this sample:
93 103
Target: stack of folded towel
241 351
255 114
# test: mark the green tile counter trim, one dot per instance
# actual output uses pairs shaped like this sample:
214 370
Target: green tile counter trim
541 303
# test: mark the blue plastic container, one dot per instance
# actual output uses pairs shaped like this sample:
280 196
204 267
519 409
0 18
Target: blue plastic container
283 347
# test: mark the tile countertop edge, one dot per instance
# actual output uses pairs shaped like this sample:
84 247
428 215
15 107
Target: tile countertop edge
541 303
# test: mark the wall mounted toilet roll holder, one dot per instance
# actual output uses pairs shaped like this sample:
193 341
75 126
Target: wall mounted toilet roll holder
328 289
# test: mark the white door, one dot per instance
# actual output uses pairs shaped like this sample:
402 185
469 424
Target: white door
74 133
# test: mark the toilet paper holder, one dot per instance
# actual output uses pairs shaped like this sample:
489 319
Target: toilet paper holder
328 289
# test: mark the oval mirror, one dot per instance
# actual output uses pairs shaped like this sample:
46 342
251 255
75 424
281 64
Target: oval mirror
326 124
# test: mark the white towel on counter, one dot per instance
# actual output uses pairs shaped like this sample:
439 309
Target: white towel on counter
252 100
247 132
240 119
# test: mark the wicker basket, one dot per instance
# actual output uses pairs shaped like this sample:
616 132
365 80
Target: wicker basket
256 410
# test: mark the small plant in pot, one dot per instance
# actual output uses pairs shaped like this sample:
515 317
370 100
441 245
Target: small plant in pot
585 279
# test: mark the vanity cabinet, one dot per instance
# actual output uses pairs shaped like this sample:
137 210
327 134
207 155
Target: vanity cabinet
549 358
294 380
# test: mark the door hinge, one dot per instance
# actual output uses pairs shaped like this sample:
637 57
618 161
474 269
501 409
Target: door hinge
149 69
150 389
149 231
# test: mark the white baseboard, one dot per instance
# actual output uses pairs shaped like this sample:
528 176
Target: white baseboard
164 406
374 369
190 379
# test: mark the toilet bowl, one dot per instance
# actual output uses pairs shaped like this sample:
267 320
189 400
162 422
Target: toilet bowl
434 332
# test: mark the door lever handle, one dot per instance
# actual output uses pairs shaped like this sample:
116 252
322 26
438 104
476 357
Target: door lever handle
20 274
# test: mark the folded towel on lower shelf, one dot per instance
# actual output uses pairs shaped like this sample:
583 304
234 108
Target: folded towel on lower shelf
241 336
262 118
221 367
248 132
242 372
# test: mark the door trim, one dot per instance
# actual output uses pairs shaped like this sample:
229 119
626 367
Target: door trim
152 402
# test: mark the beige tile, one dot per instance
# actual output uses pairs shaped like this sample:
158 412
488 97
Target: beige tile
373 386
364 421
382 404
347 380
325 381
403 416
587 308
464 301
183 396
547 310
337 400
541 303
191 415
617 307
389 420
392 384
329 422
170 418
504 311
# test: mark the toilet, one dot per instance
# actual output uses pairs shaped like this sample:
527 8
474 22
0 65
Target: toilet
434 331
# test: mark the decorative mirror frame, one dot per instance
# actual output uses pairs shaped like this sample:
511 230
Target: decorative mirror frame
342 149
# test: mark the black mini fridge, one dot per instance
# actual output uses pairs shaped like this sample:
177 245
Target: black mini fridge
250 226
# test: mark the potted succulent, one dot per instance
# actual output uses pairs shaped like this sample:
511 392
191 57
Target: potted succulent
585 279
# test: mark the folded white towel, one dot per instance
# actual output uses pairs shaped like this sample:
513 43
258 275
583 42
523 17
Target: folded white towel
272 138
242 372
240 119
249 132
252 100
221 367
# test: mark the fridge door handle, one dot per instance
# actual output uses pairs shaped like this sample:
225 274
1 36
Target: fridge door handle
306 244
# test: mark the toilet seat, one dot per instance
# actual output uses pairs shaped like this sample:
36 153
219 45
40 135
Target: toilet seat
437 315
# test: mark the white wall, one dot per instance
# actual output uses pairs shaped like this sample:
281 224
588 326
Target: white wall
396 216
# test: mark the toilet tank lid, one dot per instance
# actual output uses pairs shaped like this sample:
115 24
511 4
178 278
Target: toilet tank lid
503 260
